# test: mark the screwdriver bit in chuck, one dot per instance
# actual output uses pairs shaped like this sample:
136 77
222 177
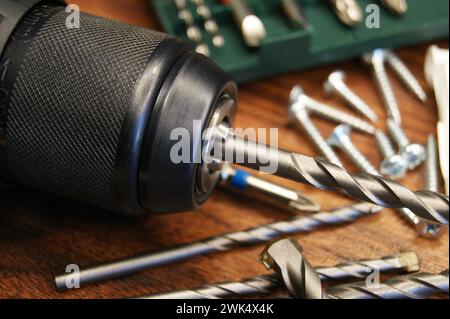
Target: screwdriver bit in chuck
220 243
268 284
324 175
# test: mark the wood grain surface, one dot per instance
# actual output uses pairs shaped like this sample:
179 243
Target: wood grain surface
40 234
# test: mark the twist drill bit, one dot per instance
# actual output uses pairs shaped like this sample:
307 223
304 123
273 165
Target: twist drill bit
268 284
324 175
415 286
220 243
277 195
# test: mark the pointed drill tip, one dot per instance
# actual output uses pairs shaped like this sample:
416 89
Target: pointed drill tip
253 30
409 261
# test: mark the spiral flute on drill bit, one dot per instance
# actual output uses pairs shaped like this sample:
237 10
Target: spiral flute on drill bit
220 243
268 284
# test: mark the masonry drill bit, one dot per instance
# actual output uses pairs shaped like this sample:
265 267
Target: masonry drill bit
220 243
324 175
348 11
269 284
415 286
284 197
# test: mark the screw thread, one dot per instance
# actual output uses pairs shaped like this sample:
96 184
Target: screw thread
386 90
337 116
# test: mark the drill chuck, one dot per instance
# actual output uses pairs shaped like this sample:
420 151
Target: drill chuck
87 113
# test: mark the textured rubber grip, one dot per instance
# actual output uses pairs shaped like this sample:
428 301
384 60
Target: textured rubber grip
68 102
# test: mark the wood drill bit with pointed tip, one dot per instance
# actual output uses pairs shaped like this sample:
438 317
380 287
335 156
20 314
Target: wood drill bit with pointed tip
269 284
219 243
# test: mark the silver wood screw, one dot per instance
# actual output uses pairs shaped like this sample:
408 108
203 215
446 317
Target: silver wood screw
335 84
332 114
394 165
341 139
299 113
414 154
376 60
405 75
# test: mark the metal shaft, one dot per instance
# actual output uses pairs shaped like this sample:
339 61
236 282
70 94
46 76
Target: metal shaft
348 11
405 75
341 139
268 284
220 243
431 167
414 286
324 175
295 13
285 257
299 113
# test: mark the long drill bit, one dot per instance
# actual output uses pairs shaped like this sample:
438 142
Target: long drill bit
324 175
415 286
220 243
268 284
302 281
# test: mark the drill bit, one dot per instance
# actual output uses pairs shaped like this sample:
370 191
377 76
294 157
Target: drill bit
398 7
219 243
226 146
303 281
243 182
295 13
268 284
415 286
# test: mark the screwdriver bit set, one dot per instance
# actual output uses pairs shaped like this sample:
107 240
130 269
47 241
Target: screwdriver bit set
252 39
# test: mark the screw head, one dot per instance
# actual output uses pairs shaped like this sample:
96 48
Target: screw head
394 167
414 155
430 230
333 79
339 132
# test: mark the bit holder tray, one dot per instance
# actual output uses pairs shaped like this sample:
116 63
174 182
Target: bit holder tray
327 40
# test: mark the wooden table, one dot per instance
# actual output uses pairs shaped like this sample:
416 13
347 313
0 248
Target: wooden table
40 234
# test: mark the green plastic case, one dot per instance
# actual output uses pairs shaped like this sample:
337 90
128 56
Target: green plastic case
288 48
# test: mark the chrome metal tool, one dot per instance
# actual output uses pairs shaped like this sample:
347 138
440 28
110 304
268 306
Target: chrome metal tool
243 182
269 284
